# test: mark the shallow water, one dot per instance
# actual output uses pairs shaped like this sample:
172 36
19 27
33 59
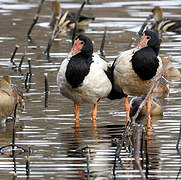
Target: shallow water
50 132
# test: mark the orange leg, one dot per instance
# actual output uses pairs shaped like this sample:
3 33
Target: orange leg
127 108
94 112
165 74
148 108
94 115
77 114
94 122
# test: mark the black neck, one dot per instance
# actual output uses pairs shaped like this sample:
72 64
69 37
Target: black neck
145 63
77 68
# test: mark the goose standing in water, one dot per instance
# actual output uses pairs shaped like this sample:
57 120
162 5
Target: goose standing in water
136 69
83 76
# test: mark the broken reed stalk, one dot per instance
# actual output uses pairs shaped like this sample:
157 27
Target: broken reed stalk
102 44
35 19
140 32
46 83
74 32
46 89
29 67
14 127
178 139
80 10
76 21
26 80
151 89
141 149
21 62
12 57
137 144
59 25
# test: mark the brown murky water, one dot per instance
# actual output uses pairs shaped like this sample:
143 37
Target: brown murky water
56 144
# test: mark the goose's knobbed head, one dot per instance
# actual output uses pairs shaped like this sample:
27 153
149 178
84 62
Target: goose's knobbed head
150 39
82 44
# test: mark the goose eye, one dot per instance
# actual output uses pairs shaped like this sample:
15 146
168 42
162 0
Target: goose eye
148 37
82 42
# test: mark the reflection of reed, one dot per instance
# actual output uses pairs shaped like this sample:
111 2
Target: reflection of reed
20 64
28 162
46 89
15 148
13 145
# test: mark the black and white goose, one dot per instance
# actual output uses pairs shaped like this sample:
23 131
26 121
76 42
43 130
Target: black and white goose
136 69
164 24
82 76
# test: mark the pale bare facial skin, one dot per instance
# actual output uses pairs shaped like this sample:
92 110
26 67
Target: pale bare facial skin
143 42
77 47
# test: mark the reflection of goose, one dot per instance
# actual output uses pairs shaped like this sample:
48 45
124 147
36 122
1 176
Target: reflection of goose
135 70
9 96
83 76
70 18
165 24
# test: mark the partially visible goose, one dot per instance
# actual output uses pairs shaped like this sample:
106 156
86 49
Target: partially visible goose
135 102
171 71
82 76
9 97
70 18
136 69
165 24
162 89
